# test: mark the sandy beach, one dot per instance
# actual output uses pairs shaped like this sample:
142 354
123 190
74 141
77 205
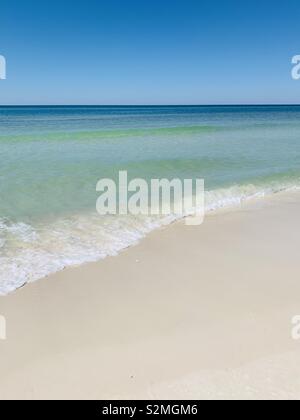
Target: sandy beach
190 312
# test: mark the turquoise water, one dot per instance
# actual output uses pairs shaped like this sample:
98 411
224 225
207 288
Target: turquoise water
52 157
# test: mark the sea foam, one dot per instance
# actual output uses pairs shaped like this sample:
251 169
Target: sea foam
30 253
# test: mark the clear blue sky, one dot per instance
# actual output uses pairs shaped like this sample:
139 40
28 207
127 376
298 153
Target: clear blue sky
149 52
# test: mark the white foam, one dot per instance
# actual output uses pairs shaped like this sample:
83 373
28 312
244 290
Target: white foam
29 253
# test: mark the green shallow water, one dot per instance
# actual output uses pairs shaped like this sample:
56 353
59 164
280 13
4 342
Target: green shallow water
108 134
51 159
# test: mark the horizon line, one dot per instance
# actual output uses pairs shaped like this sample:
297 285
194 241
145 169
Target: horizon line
144 105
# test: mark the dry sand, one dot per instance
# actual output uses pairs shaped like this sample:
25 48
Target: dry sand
191 312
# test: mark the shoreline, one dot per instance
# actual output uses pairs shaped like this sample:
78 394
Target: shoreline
234 204
201 312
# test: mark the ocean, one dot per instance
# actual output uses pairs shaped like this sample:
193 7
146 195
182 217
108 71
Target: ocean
51 159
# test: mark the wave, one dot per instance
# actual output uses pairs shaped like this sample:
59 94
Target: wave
110 134
31 252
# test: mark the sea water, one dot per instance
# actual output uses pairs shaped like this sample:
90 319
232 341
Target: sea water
51 159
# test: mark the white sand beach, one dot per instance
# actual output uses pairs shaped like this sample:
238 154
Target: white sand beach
191 312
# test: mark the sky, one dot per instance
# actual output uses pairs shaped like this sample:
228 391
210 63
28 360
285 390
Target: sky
149 51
